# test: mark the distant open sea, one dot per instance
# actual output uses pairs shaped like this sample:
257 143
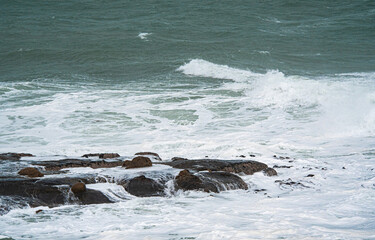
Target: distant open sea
195 79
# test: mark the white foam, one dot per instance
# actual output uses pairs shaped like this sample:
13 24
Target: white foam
144 35
202 68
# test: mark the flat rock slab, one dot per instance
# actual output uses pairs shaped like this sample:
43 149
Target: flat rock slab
235 166
56 165
48 193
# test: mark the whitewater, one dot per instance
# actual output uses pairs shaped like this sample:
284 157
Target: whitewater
324 125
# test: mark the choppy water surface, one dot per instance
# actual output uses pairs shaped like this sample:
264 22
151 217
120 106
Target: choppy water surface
193 80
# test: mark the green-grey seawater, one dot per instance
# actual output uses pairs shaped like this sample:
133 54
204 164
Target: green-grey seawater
191 79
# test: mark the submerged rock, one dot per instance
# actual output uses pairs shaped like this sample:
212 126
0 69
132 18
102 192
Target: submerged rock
144 187
209 181
102 155
30 172
221 181
138 162
235 166
270 172
14 156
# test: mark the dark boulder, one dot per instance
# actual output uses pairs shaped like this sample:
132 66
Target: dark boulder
30 172
235 166
144 187
138 162
187 181
270 172
154 155
78 187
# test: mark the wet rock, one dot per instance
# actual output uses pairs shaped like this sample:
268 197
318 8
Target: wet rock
310 175
70 163
154 155
241 156
284 166
144 187
221 181
102 155
235 166
289 182
138 162
252 155
178 158
46 193
14 156
30 172
270 172
187 181
78 187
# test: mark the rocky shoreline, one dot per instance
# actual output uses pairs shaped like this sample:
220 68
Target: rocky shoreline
43 183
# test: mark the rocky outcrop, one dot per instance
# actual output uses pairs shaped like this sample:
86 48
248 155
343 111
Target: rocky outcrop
70 163
14 156
138 162
152 154
144 187
102 155
234 166
185 180
30 172
44 193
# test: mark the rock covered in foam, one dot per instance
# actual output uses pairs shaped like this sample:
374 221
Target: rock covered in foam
138 162
153 155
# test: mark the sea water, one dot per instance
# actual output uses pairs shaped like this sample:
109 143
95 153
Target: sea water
195 79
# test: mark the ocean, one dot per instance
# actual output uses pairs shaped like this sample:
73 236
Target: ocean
215 79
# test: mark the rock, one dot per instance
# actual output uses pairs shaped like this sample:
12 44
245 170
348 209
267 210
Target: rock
187 181
30 172
235 166
144 187
44 193
221 181
178 158
138 162
70 163
310 175
284 166
154 155
270 172
252 155
102 155
14 156
78 188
